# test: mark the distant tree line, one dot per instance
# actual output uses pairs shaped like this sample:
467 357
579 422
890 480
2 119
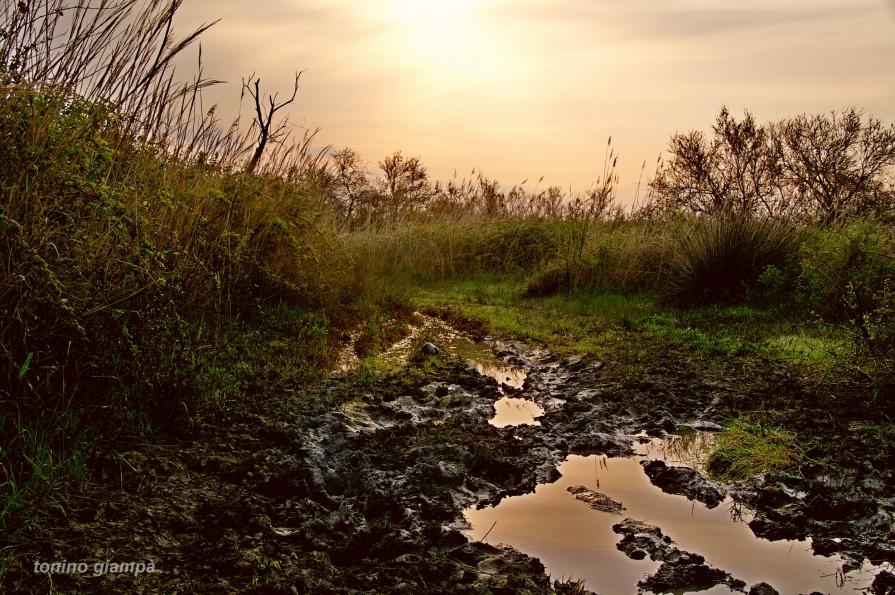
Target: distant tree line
823 168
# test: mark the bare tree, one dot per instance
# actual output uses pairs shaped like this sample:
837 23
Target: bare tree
737 170
264 117
836 164
406 182
350 180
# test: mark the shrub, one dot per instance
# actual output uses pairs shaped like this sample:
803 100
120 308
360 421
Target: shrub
718 259
558 276
844 270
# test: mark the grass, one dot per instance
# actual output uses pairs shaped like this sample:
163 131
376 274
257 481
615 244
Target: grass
585 323
595 323
820 351
746 448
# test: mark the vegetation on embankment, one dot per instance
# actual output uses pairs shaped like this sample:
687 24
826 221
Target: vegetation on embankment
156 268
147 279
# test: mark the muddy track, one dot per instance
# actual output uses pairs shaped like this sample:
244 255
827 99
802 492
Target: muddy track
360 486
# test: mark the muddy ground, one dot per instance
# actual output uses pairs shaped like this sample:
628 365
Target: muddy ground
358 485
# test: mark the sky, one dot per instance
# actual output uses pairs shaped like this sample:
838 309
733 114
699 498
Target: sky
521 89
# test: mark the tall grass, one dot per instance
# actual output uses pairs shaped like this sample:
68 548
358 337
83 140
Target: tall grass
132 243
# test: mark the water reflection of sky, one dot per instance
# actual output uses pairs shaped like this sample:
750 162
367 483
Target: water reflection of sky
572 540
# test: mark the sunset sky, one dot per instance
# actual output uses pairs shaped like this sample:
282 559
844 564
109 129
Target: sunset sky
525 88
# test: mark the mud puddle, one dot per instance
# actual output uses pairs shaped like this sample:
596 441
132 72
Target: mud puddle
511 409
575 541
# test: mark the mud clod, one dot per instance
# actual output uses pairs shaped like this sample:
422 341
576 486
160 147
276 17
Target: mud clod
596 500
684 481
762 589
679 569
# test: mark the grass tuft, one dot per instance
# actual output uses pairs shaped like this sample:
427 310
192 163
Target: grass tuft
746 448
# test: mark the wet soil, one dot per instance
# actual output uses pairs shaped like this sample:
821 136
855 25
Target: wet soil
360 485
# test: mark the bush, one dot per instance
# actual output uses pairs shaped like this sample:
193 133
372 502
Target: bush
718 259
844 270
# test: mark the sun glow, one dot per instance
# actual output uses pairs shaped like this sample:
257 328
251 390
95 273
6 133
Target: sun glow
434 13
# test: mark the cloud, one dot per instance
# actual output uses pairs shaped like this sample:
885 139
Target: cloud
637 20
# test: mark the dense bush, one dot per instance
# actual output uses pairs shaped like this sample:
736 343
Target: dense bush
824 167
718 259
844 271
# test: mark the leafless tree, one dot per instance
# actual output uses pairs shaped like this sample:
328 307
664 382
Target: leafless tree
406 182
836 164
268 131
350 181
736 170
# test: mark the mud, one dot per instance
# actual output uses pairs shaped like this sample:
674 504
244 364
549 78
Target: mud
595 499
680 571
685 481
359 486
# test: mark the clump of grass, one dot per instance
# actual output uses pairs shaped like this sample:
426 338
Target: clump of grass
719 258
746 448
881 434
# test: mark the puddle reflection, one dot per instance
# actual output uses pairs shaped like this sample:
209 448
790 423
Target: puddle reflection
509 411
572 540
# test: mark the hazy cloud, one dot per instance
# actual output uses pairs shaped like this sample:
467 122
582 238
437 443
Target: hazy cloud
530 87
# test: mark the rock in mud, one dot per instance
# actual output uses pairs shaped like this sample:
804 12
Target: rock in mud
883 584
430 349
596 500
679 570
689 572
640 540
683 481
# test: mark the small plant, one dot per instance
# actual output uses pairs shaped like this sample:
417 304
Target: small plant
844 270
746 448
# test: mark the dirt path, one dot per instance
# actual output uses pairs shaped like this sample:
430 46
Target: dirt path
359 485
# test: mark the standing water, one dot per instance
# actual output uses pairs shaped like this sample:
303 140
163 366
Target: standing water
574 541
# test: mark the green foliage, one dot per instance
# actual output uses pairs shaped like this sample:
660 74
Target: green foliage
123 272
666 326
844 270
772 282
746 448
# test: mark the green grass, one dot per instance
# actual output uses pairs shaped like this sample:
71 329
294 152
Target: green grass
818 351
585 323
746 448
591 323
